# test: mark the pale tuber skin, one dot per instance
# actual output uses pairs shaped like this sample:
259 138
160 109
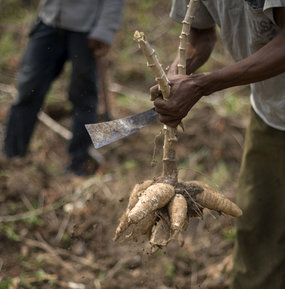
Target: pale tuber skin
161 217
154 197
177 210
161 233
133 199
213 200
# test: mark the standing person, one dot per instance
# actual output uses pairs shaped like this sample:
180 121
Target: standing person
254 33
78 31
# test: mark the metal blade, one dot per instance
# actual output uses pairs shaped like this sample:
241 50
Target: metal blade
104 133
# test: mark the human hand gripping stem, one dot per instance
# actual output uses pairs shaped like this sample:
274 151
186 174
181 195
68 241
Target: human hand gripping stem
185 91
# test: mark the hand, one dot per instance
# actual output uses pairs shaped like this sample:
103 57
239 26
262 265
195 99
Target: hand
99 48
184 93
173 69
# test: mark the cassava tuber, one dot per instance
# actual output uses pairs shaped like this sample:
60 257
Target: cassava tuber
154 197
177 210
133 199
213 200
161 233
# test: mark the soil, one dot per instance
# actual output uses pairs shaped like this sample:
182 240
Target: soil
56 230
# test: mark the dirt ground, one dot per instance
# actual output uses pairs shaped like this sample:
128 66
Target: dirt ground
56 230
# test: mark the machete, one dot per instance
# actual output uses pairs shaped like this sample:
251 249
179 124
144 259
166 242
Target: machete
104 133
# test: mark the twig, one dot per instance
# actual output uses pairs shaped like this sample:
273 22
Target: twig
116 268
101 64
62 227
53 252
53 125
62 252
71 285
47 277
35 212
27 202
79 191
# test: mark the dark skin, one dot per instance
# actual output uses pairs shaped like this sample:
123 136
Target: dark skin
186 90
99 48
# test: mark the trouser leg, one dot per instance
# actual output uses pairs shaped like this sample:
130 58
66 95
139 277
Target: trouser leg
82 94
41 63
259 258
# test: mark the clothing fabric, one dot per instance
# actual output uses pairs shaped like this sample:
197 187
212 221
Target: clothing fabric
259 251
50 45
46 53
100 18
245 27
259 258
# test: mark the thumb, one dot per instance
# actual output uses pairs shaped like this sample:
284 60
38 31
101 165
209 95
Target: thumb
160 105
155 92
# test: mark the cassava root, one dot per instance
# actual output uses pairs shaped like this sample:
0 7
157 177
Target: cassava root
154 197
162 210
133 199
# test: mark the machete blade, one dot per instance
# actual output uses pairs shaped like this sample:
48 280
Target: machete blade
104 133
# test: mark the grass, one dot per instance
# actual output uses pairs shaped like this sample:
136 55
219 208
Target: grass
9 230
230 234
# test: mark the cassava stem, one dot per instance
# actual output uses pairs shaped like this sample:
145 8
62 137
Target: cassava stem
153 63
169 170
186 25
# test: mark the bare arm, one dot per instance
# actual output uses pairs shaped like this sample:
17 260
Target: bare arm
268 62
199 49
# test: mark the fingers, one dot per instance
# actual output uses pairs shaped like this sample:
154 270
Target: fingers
155 93
166 115
168 121
166 107
162 108
99 48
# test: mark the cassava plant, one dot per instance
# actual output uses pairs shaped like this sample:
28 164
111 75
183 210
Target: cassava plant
161 208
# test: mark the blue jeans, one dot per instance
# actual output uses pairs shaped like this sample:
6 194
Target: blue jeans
47 51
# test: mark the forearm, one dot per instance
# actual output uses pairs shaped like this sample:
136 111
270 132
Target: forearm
199 48
268 62
186 90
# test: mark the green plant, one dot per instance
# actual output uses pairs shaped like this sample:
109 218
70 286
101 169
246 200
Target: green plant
6 283
170 270
9 230
230 234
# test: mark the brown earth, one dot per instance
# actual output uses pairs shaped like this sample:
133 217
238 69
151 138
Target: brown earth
67 238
